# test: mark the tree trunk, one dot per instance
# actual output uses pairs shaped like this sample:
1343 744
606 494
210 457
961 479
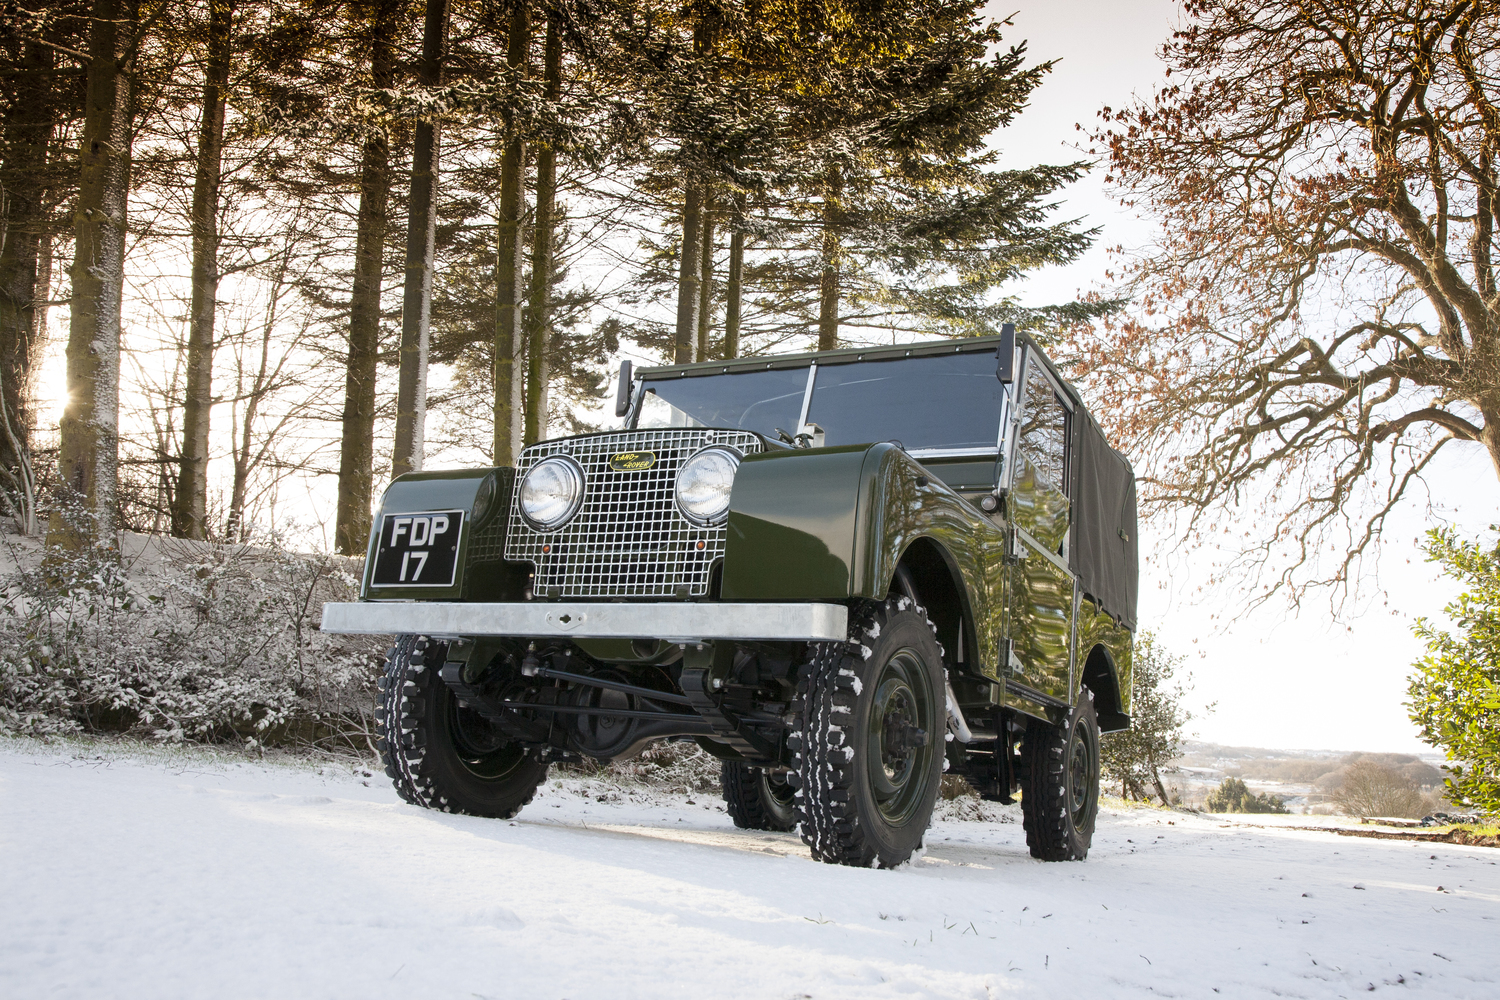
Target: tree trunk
688 276
1490 436
1160 788
509 258
538 316
42 297
88 451
706 280
357 447
828 286
25 248
189 507
734 293
421 238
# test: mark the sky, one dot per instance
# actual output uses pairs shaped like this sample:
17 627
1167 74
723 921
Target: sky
1278 679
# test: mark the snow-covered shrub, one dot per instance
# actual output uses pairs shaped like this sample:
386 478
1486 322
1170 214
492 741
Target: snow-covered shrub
187 640
677 765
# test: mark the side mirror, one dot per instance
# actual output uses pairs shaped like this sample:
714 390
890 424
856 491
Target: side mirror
622 394
1005 354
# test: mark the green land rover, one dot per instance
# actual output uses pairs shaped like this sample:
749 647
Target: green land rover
842 574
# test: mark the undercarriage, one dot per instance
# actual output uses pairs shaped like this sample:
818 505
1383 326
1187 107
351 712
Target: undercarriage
562 703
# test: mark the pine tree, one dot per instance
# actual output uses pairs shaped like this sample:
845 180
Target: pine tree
190 505
421 236
38 104
357 450
89 445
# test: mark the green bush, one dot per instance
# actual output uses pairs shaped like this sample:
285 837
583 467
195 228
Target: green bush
1455 692
1233 797
1136 757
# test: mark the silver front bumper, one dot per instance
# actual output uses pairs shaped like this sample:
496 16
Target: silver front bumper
675 621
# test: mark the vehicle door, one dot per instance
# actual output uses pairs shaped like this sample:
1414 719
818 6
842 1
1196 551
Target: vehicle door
1040 606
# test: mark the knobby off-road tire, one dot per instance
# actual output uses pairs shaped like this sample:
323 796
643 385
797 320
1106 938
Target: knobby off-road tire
756 798
1060 789
868 758
440 755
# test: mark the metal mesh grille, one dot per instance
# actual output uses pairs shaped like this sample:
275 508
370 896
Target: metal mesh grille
628 538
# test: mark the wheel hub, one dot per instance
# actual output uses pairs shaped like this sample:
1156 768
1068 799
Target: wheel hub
1079 780
481 747
900 750
900 737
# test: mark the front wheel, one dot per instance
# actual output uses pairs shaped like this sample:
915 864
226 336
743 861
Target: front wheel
869 755
1060 793
441 754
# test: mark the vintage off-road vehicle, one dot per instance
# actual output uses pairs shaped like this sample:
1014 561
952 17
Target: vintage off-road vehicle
841 573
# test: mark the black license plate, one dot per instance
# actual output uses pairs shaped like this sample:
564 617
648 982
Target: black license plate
418 549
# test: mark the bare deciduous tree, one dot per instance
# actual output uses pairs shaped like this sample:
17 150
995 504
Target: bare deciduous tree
1372 789
1319 316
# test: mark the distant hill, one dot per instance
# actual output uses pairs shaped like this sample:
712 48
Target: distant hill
1306 778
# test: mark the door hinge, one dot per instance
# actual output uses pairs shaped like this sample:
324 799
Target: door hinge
1008 661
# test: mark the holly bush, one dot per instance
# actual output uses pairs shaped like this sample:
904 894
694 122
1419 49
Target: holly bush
1455 691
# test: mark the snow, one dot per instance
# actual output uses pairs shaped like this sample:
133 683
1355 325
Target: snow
135 872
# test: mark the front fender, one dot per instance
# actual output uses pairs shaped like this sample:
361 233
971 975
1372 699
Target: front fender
833 524
481 572
791 529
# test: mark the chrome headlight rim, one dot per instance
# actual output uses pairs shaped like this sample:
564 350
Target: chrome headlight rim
574 472
718 516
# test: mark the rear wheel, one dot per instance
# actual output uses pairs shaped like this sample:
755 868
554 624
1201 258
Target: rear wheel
443 755
869 755
1060 792
757 799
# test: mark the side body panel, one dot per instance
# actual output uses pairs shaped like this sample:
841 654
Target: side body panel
1040 612
902 502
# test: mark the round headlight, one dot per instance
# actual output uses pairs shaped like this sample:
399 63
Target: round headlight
551 492
704 482
484 500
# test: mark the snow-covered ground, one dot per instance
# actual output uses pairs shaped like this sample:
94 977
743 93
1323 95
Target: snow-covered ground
131 873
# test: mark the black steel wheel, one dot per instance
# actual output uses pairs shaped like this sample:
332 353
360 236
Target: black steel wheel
757 799
1060 786
441 754
869 755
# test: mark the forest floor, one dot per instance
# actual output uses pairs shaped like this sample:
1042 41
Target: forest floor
135 871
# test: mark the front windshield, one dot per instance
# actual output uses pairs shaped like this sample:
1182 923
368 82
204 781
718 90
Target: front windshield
760 401
939 401
949 401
